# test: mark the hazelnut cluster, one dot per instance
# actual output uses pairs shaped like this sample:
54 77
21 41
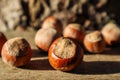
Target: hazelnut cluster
96 41
65 51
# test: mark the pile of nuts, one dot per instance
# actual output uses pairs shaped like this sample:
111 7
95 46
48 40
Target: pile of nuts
65 51
64 46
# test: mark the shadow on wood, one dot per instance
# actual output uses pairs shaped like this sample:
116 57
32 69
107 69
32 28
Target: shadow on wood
97 67
38 64
108 51
38 53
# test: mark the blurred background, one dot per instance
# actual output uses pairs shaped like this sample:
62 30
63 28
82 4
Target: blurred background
91 14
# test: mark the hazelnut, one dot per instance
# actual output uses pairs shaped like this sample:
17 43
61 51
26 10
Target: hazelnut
65 54
52 22
3 39
94 42
16 52
75 31
111 33
44 37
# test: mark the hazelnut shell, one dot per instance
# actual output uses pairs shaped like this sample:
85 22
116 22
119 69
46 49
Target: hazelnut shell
111 34
74 31
52 22
94 42
3 39
65 64
44 38
16 52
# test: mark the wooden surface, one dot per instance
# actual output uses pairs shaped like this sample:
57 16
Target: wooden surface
105 66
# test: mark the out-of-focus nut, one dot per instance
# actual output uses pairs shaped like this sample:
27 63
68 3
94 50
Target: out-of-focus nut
75 31
94 42
44 37
111 33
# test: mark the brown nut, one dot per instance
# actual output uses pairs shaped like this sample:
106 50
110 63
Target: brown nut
52 22
44 37
111 33
3 39
65 54
74 31
94 42
16 52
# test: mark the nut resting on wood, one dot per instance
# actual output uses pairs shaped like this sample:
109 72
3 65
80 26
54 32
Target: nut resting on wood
44 37
3 39
94 42
111 33
16 52
65 54
75 31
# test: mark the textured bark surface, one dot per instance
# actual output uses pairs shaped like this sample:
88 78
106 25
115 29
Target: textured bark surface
91 14
10 14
